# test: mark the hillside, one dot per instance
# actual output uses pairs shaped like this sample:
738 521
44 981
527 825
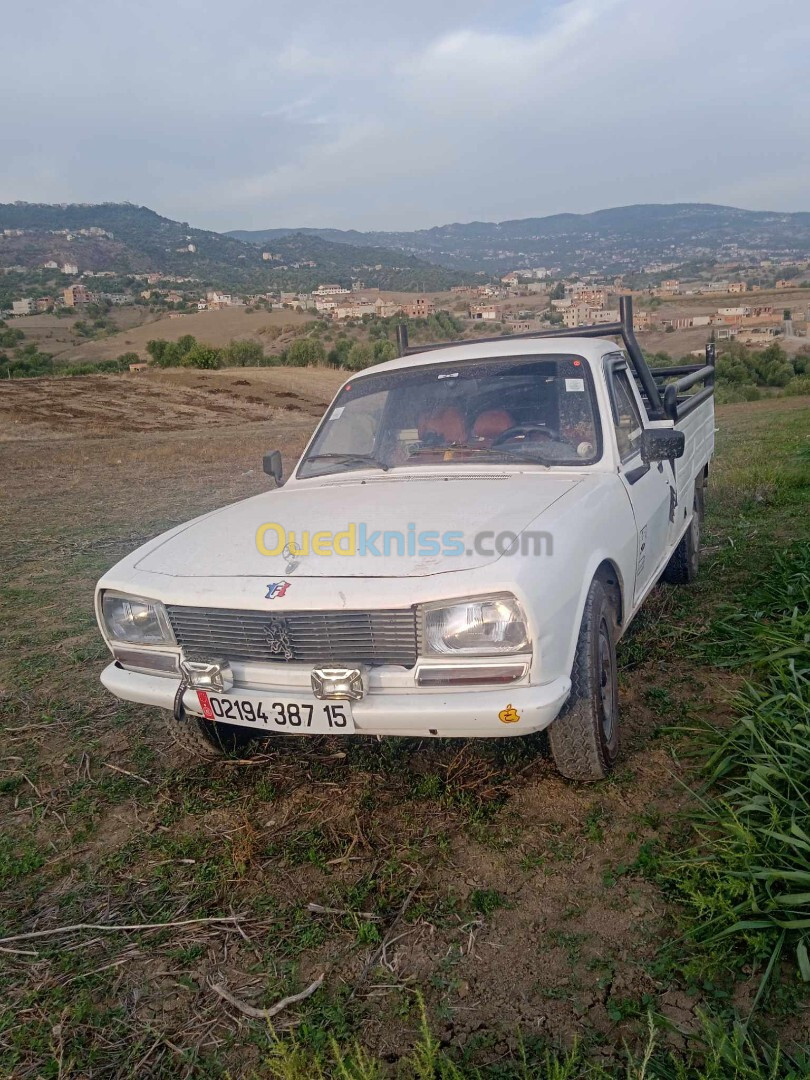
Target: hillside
125 238
622 239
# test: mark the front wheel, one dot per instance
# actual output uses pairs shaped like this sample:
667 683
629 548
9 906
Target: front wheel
584 738
210 740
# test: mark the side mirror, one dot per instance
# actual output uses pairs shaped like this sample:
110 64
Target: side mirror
662 444
271 463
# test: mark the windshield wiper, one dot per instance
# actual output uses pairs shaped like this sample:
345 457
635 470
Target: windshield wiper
349 459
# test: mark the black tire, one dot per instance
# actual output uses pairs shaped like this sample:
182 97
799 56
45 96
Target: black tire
584 738
682 568
209 740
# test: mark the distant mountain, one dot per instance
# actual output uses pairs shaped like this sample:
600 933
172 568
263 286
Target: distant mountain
624 238
131 239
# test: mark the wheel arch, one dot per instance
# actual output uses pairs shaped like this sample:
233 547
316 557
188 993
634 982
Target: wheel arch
610 576
606 570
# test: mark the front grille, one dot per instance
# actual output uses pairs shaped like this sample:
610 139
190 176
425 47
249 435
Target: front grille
314 637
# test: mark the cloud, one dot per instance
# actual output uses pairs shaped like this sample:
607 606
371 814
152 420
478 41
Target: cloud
264 113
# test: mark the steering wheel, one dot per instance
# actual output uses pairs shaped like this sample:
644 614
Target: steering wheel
523 429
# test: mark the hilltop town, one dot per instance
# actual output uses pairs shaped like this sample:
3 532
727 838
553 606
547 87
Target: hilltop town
87 288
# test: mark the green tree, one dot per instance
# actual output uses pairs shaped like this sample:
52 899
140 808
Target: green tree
241 353
338 356
305 352
10 336
27 362
202 356
186 343
558 292
384 350
361 355
156 350
772 366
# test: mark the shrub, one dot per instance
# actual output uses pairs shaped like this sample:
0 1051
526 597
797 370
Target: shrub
27 362
771 366
101 367
799 385
9 336
731 395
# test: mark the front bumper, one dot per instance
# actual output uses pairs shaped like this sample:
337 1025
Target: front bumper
420 712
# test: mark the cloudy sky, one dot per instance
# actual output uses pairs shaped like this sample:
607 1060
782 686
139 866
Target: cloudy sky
367 114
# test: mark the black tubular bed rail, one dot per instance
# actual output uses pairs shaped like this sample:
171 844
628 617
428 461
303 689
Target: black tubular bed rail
663 400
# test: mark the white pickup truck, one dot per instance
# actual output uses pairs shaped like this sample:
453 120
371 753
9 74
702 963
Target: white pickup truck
468 534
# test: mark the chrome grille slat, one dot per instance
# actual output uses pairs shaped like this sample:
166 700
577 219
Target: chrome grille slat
317 637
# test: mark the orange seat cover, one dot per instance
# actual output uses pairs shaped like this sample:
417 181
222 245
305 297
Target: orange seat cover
490 424
445 421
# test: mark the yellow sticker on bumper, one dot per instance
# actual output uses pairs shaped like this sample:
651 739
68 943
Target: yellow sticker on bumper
509 715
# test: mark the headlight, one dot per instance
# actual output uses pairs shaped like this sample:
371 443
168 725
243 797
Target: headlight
485 626
135 620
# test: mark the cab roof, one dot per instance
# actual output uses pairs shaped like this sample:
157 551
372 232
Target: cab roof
590 349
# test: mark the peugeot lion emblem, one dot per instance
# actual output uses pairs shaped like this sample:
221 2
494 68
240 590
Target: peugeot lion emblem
278 638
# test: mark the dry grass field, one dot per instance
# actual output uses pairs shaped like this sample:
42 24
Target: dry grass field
53 335
465 874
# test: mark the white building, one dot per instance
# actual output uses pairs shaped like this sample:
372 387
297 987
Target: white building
354 309
26 306
70 268
577 315
329 290
487 312
603 315
325 304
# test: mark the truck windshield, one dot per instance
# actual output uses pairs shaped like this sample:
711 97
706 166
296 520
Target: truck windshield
529 409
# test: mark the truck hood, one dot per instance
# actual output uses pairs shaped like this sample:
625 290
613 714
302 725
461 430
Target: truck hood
453 510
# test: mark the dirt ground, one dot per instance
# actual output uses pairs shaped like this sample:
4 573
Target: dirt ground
170 400
467 872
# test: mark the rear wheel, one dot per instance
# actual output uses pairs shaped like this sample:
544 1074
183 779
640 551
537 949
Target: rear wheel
207 739
584 738
682 568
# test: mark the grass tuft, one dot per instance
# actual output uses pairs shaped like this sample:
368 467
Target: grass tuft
746 877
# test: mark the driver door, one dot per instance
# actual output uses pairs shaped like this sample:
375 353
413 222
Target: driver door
652 496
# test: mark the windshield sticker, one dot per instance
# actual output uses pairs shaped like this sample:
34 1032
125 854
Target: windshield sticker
449 375
338 412
574 384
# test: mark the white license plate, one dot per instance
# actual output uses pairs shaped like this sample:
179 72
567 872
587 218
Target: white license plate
291 716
